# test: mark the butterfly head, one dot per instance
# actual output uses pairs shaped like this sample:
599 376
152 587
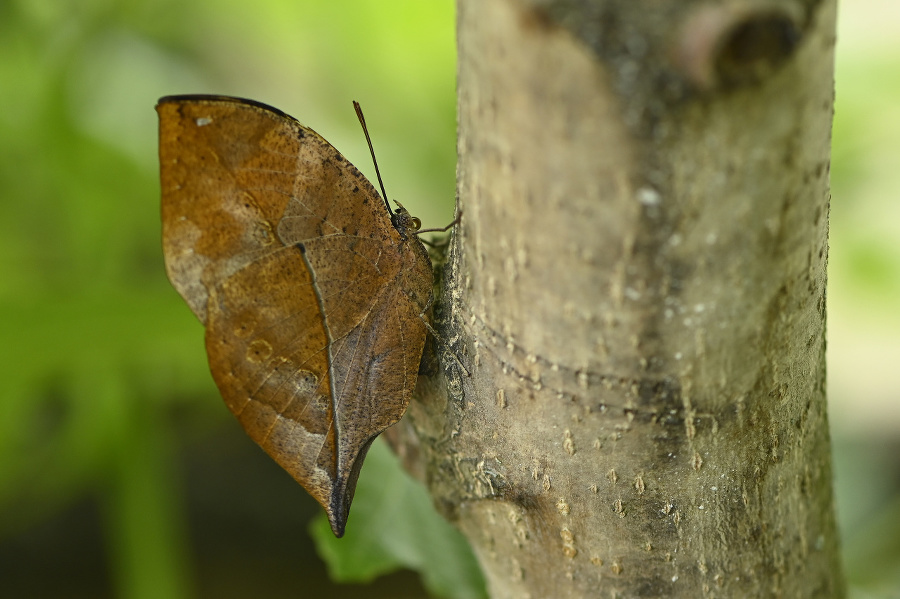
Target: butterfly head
404 222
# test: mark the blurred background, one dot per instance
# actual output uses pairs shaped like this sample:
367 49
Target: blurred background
121 473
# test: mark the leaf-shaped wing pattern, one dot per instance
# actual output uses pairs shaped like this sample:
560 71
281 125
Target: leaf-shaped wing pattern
313 302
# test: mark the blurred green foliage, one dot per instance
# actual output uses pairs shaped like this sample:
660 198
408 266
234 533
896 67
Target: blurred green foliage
397 527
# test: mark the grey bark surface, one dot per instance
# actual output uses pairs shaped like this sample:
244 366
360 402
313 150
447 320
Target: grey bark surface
637 291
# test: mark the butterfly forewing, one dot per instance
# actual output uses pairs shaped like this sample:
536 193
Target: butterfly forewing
313 303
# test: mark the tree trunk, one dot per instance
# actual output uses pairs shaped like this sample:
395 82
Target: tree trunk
637 291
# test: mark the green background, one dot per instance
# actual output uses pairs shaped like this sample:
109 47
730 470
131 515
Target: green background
121 472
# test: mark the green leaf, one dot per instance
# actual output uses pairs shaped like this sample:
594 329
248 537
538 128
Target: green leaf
393 525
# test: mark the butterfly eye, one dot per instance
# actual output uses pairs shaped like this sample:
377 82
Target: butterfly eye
415 224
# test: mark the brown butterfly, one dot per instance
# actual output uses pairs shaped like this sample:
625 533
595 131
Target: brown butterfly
313 297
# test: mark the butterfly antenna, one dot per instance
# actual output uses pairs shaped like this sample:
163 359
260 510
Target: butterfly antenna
362 121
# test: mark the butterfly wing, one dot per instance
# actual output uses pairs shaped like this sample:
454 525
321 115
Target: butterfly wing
312 301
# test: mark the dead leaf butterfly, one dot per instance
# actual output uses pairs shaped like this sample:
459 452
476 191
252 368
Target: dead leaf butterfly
313 296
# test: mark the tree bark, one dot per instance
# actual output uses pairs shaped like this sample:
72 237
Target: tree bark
637 292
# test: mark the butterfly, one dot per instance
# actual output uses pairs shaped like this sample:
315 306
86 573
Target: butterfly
314 297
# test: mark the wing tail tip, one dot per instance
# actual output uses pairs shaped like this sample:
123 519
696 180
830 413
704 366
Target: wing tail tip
337 507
